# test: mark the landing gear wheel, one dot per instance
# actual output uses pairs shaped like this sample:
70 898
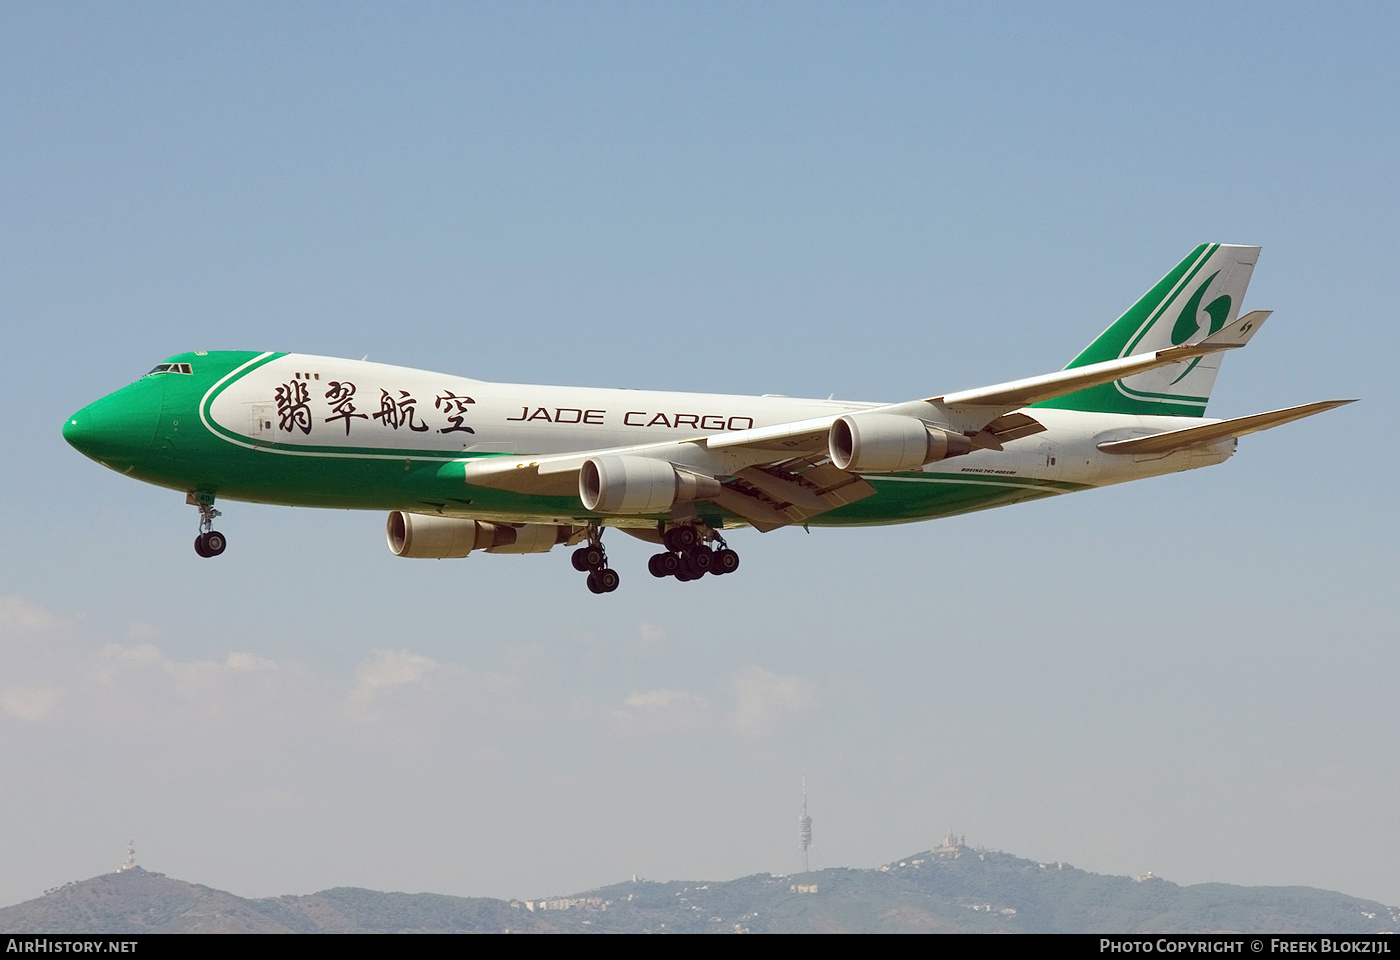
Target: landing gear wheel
591 557
670 563
210 542
683 576
691 568
702 559
681 538
656 565
726 561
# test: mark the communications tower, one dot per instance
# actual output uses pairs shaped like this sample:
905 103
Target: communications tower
130 863
804 828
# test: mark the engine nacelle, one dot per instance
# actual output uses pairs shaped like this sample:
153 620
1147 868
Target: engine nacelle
438 538
639 485
529 538
888 443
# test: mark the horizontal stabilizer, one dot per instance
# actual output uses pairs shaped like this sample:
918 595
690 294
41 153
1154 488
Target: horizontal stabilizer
1238 333
1211 432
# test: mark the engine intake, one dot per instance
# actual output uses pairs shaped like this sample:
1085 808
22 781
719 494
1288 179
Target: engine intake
438 538
889 443
639 485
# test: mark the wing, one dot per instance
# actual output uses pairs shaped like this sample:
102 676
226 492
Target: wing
777 475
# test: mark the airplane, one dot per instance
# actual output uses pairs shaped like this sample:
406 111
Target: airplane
465 465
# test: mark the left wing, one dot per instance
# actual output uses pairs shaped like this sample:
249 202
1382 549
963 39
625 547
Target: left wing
766 490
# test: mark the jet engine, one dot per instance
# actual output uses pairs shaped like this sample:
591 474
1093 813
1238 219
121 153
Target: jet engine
437 538
639 485
888 443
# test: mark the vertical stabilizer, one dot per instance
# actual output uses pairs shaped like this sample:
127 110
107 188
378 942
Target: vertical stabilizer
1201 295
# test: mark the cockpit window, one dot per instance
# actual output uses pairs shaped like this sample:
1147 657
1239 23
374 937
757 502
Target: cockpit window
172 368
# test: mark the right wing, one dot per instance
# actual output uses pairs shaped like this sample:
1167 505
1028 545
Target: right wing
971 411
780 474
982 413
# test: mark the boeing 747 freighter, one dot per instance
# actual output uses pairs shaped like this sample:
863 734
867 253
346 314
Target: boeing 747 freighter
462 465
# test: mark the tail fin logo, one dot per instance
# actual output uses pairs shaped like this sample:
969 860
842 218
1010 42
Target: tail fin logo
1200 295
1189 323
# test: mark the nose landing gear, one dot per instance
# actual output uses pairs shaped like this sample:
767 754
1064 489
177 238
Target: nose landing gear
210 542
593 559
688 557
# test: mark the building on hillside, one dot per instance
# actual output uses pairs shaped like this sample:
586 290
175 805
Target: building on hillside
952 845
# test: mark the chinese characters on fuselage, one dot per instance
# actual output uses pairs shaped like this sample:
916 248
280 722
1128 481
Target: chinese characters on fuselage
399 412
456 409
293 407
342 399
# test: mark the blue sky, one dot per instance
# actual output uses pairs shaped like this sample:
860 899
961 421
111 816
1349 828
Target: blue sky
1193 675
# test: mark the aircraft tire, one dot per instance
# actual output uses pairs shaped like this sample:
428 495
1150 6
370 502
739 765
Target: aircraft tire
702 560
199 546
726 561
681 538
608 579
593 585
655 565
214 543
594 557
670 563
579 559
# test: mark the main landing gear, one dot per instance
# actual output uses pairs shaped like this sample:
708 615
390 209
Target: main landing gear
593 560
210 542
688 557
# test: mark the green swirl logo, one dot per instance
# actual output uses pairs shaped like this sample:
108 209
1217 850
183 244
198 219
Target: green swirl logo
1189 322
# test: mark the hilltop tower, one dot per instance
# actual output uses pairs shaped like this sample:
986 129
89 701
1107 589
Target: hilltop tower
130 863
804 828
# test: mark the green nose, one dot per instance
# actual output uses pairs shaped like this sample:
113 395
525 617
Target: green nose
119 429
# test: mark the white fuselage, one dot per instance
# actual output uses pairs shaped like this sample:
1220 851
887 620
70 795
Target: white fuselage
334 407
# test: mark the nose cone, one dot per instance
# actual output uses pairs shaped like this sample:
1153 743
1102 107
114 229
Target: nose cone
119 429
77 430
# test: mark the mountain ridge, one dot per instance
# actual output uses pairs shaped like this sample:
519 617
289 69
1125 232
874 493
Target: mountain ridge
950 889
